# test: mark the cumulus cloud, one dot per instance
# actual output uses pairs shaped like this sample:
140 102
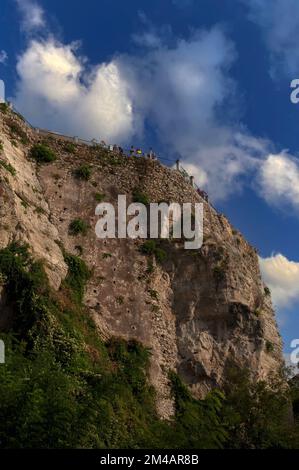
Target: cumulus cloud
199 174
279 23
279 180
181 88
282 277
3 57
33 17
56 91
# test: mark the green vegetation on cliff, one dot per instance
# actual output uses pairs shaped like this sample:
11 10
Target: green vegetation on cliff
62 387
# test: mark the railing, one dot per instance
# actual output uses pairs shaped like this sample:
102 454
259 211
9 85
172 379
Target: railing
94 142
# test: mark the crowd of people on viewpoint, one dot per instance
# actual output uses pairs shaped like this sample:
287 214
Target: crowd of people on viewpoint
137 152
132 152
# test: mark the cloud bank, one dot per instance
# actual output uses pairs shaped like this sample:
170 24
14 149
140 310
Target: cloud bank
282 277
279 181
180 88
56 91
32 15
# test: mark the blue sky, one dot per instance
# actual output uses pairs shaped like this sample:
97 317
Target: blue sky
206 80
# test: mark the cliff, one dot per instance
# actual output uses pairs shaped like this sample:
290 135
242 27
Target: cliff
200 312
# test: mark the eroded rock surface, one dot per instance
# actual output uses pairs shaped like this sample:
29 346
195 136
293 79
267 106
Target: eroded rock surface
199 311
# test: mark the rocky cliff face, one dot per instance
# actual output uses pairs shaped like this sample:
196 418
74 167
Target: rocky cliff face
200 311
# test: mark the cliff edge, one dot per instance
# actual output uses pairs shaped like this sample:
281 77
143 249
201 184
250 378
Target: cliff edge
199 311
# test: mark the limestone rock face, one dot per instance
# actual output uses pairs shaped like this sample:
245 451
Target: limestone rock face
199 311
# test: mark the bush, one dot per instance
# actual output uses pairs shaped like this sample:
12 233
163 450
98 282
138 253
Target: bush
78 275
198 422
149 247
257 413
69 147
8 167
140 197
99 197
83 172
24 279
4 108
62 387
267 291
42 153
78 226
160 255
16 130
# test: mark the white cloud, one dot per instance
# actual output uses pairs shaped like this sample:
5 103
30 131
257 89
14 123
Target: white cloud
282 277
56 91
199 174
147 39
279 22
279 180
3 56
180 87
183 90
32 15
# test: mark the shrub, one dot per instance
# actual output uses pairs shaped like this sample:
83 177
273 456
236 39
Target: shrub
42 153
83 172
99 197
219 271
154 294
24 204
40 211
148 247
150 267
267 291
257 413
26 284
78 226
269 346
62 387
8 167
4 108
198 422
160 255
1 146
78 275
69 147
16 130
140 197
